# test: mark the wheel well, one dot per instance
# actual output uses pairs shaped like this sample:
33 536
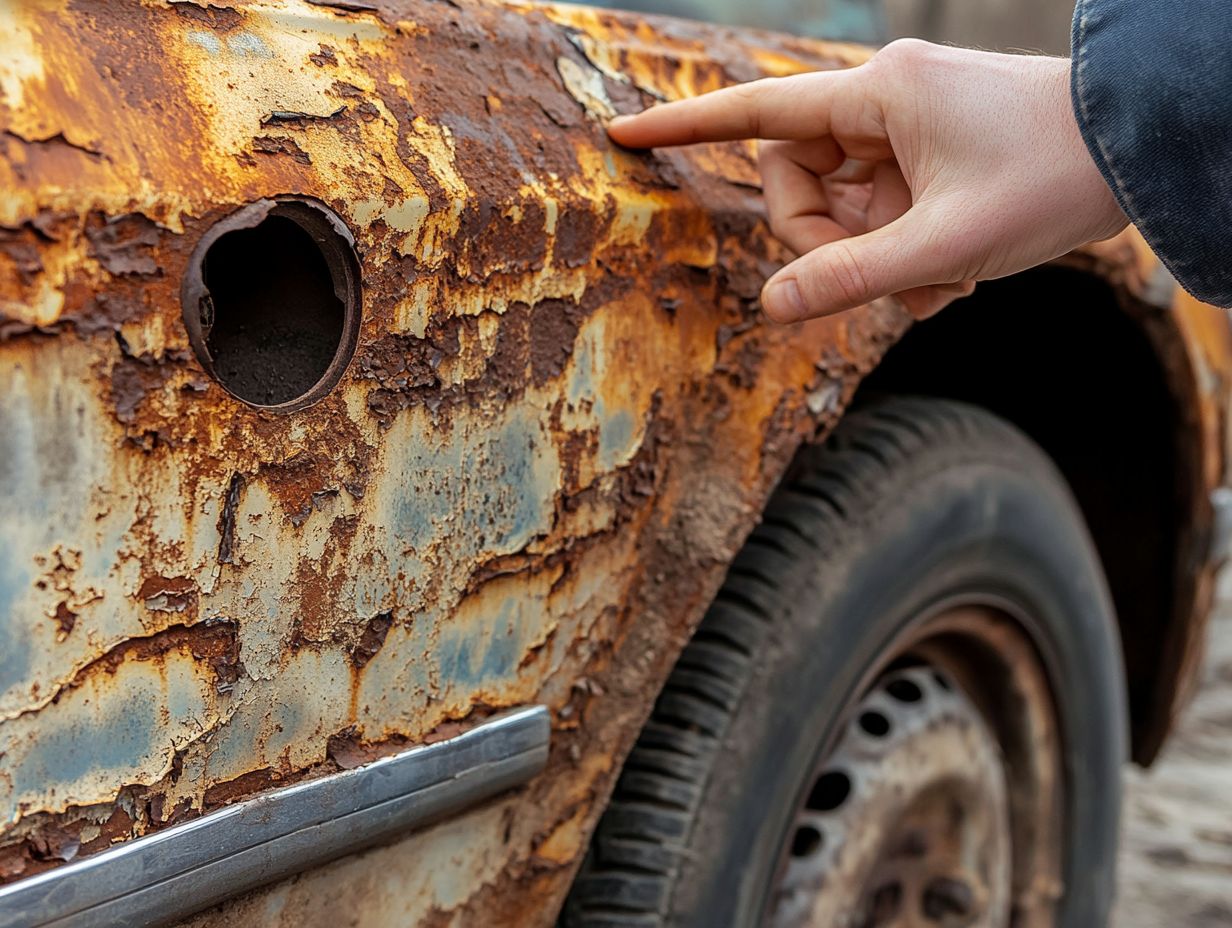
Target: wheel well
1054 351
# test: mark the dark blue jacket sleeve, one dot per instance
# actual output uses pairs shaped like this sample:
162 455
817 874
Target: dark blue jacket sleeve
1151 82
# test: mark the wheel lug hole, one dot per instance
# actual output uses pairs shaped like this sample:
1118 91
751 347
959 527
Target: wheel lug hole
905 690
875 724
806 841
830 791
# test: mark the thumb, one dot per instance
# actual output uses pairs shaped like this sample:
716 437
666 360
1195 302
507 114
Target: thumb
849 272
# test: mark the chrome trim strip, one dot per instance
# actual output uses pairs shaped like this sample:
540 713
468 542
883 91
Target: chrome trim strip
170 874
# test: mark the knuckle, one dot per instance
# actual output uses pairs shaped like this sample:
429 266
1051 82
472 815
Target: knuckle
756 99
906 54
844 276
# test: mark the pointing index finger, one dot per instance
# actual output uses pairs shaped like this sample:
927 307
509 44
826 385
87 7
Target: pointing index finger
794 107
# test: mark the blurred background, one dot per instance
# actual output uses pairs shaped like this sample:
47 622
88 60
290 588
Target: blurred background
1036 25
1176 842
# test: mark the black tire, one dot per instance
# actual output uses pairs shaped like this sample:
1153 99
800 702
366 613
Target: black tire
909 503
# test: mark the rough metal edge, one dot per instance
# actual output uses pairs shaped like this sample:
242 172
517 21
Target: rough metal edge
168 875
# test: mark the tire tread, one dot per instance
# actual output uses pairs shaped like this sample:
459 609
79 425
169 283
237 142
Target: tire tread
623 883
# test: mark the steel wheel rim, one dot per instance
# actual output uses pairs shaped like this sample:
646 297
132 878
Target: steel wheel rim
988 751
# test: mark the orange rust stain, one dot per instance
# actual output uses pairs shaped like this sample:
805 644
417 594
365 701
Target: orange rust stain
213 642
512 260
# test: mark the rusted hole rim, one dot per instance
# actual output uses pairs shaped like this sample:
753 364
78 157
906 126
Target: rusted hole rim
336 245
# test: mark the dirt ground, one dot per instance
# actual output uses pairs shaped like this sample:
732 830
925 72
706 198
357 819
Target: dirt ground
1176 857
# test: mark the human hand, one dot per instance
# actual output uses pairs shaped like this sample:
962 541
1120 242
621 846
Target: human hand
916 174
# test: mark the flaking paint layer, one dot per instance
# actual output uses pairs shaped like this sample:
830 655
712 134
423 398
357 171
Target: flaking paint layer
563 416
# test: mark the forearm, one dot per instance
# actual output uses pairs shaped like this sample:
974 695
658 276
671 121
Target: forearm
1152 93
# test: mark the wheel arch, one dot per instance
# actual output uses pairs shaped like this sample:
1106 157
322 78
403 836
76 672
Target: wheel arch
1107 382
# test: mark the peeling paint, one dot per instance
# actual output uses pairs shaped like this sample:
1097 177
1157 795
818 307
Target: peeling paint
562 416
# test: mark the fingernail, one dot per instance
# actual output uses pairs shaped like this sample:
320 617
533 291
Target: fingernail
618 120
784 301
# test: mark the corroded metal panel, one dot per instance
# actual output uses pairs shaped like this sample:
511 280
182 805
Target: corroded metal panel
201 599
562 417
179 870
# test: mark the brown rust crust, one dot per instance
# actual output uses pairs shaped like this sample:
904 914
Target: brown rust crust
44 842
213 642
563 416
521 362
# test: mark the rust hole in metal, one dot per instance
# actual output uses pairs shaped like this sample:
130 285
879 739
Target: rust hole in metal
271 303
276 322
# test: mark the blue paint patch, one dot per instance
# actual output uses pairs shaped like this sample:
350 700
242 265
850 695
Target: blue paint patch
501 658
471 657
286 727
453 657
616 434
248 45
206 40
848 20
75 744
25 473
581 372
489 488
14 635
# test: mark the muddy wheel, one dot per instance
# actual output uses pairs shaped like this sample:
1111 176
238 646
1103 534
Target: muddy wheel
904 708
907 823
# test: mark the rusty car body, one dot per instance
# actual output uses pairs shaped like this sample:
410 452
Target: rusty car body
562 416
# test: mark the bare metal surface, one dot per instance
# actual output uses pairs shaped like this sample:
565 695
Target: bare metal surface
922 837
562 417
157 879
